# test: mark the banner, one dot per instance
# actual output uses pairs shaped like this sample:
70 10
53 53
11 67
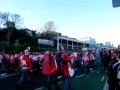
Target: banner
45 42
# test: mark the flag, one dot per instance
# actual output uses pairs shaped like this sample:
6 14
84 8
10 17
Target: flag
28 48
62 48
26 51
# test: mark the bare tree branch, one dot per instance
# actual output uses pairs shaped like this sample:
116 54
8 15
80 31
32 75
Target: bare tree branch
48 31
16 18
49 26
10 21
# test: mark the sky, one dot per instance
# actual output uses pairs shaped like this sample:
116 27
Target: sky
74 18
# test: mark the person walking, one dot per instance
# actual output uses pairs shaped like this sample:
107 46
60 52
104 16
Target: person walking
86 63
65 68
49 69
25 63
114 75
98 60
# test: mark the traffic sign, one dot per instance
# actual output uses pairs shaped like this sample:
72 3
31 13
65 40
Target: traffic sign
116 3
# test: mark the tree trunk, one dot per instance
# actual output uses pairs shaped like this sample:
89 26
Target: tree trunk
8 36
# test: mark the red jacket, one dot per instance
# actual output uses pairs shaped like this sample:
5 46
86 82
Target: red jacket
49 68
78 57
86 60
25 62
12 58
64 68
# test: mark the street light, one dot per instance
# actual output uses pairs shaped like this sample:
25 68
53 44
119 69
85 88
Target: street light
58 38
58 42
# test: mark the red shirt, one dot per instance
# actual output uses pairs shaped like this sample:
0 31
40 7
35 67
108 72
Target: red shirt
86 60
26 62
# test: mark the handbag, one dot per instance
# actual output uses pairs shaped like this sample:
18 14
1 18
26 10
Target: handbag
71 71
106 86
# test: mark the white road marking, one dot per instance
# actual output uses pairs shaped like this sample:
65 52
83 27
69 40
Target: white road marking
41 67
93 71
59 77
39 88
75 69
9 75
60 82
80 76
3 69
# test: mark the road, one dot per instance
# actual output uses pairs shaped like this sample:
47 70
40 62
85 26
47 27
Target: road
80 81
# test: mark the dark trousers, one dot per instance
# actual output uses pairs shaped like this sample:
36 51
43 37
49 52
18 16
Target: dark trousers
77 64
36 67
25 76
86 69
67 84
114 85
91 64
60 73
52 80
1 66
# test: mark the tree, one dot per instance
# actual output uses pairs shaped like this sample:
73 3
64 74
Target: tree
10 21
48 31
49 26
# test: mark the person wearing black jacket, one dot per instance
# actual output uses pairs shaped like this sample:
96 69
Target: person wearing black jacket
113 81
59 61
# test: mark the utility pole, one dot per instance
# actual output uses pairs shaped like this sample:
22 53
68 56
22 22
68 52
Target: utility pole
58 42
58 38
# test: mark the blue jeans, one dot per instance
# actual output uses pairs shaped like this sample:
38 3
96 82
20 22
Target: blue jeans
25 75
98 67
67 83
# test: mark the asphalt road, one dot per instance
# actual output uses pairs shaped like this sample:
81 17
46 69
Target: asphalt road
10 81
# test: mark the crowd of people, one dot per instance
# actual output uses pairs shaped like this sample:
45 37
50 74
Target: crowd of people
56 64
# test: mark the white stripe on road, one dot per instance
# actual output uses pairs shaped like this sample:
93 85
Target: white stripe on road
75 69
84 74
93 71
41 67
62 81
80 76
59 82
39 88
43 87
9 75
3 69
59 77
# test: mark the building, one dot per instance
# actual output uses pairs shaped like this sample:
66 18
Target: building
70 43
107 45
90 41
29 32
55 40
